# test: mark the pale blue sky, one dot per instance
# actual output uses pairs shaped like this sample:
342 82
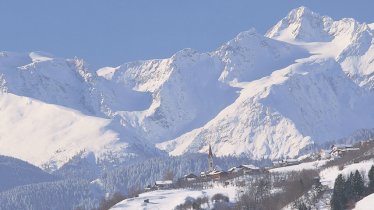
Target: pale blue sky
112 32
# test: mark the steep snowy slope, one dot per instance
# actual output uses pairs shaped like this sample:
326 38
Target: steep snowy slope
317 105
14 172
51 80
350 42
41 133
280 115
48 135
185 93
251 56
53 109
191 88
303 25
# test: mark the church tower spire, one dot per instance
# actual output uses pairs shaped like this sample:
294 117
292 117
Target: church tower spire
210 159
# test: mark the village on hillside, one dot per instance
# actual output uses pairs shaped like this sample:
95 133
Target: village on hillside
303 183
216 173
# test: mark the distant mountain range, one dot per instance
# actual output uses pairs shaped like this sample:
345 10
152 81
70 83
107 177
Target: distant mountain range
308 81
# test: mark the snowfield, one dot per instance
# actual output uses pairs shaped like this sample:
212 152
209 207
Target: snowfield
169 199
366 203
302 166
61 138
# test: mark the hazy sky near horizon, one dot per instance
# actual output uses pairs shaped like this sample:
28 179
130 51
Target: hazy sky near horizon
112 32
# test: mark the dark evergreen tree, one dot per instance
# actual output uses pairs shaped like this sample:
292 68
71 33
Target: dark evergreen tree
338 199
358 185
349 188
371 180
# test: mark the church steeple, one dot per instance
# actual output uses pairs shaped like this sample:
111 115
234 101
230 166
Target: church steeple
210 159
210 151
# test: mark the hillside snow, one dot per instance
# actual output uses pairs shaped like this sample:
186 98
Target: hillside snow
366 203
329 175
169 199
350 42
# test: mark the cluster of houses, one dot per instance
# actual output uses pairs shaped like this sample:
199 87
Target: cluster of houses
217 173
234 171
208 175
214 173
336 151
160 185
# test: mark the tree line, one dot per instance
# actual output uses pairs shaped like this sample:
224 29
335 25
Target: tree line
347 191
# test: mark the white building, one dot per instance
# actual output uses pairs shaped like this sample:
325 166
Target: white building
245 169
167 184
286 162
338 150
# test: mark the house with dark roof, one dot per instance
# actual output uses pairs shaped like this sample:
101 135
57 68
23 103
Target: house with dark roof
162 185
190 177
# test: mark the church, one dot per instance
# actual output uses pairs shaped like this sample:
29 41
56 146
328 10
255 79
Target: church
213 172
210 160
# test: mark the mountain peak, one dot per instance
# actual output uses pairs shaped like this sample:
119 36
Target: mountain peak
302 11
303 15
302 24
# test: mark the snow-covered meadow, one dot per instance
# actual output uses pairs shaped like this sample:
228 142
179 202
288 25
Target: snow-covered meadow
169 199
329 175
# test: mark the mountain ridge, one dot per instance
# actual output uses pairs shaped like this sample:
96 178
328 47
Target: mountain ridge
304 83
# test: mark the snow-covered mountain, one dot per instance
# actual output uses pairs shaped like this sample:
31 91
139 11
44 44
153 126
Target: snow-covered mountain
322 97
309 80
349 42
52 110
312 101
